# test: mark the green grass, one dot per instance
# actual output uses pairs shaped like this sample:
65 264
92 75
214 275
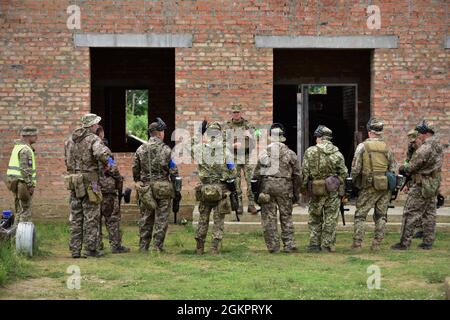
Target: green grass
244 270
12 265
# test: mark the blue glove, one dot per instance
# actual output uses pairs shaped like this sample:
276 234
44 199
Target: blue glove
172 164
230 165
111 161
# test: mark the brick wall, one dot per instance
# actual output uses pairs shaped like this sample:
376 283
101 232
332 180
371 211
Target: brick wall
45 80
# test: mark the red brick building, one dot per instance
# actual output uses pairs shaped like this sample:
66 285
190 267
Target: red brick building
196 57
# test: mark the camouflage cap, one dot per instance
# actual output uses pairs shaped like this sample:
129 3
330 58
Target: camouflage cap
425 127
236 107
412 135
277 134
323 131
214 126
90 119
28 131
375 125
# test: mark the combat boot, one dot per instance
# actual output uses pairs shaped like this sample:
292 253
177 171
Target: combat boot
313 248
399 246
356 246
94 253
77 255
200 246
215 246
425 246
252 209
120 249
418 235
290 250
329 249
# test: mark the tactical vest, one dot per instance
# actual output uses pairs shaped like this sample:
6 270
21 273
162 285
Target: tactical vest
375 160
14 163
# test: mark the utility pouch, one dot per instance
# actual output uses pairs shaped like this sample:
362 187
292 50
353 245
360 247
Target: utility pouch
224 206
430 186
318 188
68 182
11 184
145 196
78 184
94 194
211 193
22 191
380 182
264 198
332 183
163 190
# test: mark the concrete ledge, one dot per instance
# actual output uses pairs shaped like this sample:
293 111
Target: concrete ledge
330 42
133 40
447 42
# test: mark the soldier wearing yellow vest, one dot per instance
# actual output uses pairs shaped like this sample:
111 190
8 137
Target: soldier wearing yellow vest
21 174
371 162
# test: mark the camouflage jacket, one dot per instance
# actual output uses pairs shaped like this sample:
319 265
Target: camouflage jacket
427 160
152 162
83 151
234 129
321 161
212 159
357 163
26 163
281 162
411 149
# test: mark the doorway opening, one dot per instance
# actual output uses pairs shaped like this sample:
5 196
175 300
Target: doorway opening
129 88
322 87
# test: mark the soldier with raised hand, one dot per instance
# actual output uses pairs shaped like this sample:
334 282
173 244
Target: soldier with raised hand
21 173
153 169
425 172
372 161
83 152
109 210
278 173
324 170
236 127
215 169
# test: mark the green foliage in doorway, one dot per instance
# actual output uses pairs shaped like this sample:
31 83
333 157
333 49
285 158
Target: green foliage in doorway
137 113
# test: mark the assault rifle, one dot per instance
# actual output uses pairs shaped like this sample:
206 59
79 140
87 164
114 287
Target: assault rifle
234 198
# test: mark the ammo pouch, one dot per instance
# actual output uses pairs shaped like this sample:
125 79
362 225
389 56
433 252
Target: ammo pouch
94 193
69 183
78 185
430 186
22 191
145 196
264 198
380 181
11 184
198 192
224 206
318 188
332 184
163 190
211 192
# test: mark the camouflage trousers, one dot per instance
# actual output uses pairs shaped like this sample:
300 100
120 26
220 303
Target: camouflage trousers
111 214
84 221
22 204
248 174
203 222
157 219
270 224
370 198
418 208
323 216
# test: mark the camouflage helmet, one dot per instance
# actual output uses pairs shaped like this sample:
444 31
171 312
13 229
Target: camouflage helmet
412 135
28 131
89 120
323 131
215 125
277 132
375 125
236 107
158 125
425 127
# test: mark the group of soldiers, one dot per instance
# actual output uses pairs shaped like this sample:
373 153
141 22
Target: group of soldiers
275 183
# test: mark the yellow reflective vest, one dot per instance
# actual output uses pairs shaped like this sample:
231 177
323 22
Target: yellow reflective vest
14 163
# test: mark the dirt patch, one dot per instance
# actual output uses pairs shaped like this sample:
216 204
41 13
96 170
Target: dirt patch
39 288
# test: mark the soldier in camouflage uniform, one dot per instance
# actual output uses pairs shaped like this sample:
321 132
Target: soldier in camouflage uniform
21 174
215 167
278 171
323 162
153 170
235 128
371 162
83 152
109 210
425 172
